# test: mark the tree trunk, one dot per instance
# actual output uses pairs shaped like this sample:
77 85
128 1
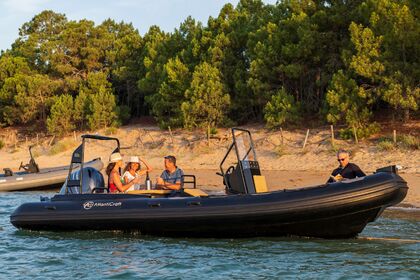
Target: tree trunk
406 114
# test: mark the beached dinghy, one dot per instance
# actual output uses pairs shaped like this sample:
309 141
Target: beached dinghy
336 210
32 177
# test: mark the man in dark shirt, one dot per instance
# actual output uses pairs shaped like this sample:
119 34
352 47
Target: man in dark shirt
346 170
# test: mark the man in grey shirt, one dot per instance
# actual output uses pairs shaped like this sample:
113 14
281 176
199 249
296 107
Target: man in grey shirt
171 178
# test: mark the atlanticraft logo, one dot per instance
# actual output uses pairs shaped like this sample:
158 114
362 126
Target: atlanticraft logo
90 204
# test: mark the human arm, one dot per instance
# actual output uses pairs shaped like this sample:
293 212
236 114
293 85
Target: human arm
120 186
333 177
357 171
171 183
148 168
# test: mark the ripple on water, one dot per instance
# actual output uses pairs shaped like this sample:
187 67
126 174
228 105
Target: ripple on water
117 255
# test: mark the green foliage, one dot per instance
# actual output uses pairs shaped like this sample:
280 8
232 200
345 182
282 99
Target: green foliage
386 145
104 110
281 109
82 104
362 132
407 141
342 60
123 113
347 101
62 146
206 98
60 120
213 131
166 104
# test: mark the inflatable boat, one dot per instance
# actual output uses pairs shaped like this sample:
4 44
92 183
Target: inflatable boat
32 177
247 209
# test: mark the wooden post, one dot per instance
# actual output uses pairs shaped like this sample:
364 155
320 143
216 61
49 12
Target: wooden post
332 135
153 140
281 135
37 139
26 141
355 135
74 135
139 138
395 136
170 133
208 135
52 139
306 139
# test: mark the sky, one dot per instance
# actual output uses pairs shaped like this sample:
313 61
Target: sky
167 14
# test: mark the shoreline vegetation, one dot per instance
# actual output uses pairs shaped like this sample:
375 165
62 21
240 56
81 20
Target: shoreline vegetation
281 155
290 64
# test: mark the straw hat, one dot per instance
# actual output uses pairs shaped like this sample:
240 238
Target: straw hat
115 157
134 159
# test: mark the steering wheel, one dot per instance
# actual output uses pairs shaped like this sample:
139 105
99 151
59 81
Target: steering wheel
24 167
230 170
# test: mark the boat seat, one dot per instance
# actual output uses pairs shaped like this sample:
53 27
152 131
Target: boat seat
7 172
260 184
196 192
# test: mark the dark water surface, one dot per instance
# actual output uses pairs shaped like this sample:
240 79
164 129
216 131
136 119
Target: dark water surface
387 249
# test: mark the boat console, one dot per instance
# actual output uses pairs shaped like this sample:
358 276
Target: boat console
244 177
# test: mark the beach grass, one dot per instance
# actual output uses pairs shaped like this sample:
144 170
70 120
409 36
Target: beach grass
62 146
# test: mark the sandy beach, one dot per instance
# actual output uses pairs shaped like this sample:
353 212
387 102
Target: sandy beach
282 159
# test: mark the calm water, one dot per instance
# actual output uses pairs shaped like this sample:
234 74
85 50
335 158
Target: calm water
116 255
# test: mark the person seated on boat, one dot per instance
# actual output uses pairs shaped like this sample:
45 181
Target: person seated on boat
133 170
113 171
171 178
346 170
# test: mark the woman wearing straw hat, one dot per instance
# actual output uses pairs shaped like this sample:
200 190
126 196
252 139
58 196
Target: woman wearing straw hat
132 170
113 172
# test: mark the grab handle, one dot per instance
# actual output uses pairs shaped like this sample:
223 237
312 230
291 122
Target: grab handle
154 205
194 203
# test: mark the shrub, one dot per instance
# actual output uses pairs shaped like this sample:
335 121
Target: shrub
207 101
213 131
386 145
280 151
362 132
408 142
110 131
62 146
280 109
60 121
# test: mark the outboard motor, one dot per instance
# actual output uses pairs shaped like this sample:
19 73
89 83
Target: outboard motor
92 182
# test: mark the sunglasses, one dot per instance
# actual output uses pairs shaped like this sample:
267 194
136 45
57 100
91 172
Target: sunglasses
341 159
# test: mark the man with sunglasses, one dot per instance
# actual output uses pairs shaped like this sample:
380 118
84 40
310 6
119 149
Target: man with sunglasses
346 170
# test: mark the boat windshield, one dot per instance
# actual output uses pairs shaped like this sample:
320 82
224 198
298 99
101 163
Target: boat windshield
244 146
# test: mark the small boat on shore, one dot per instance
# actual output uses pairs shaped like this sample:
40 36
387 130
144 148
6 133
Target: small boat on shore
247 209
32 177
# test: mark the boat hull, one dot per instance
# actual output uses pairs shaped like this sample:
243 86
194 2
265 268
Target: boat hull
338 210
47 178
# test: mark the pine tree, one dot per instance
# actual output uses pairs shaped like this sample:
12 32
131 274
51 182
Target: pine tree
61 121
207 100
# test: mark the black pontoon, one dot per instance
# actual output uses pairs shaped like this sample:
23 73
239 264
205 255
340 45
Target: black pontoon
336 210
